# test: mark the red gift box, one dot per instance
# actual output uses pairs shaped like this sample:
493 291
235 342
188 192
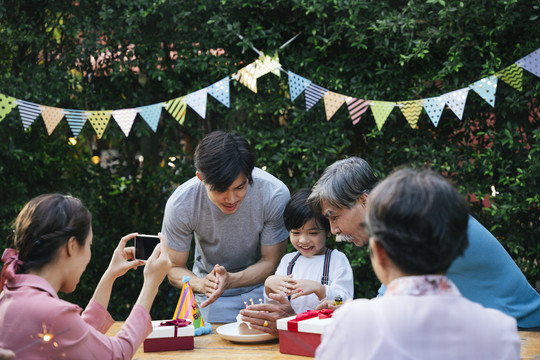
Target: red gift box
301 334
169 337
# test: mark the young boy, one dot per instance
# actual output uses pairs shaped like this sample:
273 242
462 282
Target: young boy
313 273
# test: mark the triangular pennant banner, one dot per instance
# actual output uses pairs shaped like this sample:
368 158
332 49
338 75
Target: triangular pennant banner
486 88
434 107
381 110
531 62
411 110
29 112
513 76
266 64
99 120
7 103
125 118
313 94
151 114
197 101
332 103
51 117
297 84
456 101
188 309
76 120
246 76
220 91
356 108
177 108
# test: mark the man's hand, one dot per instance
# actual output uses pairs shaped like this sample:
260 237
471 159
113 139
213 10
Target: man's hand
258 313
215 284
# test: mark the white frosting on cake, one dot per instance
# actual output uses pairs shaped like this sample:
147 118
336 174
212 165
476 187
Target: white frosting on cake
244 328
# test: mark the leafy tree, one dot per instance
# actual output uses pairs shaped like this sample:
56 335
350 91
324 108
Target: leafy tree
122 54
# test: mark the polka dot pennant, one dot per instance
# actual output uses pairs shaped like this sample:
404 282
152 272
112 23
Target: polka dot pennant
434 107
297 84
76 120
513 76
456 101
197 101
486 88
411 110
381 110
177 108
99 120
7 103
220 91
125 118
332 103
151 114
51 117
531 62
29 112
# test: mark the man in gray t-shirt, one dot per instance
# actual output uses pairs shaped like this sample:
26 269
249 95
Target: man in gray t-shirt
235 214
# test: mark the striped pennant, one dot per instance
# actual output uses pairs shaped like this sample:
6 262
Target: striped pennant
246 76
7 103
313 94
266 64
513 76
177 108
51 117
29 112
76 120
220 91
357 107
151 114
125 118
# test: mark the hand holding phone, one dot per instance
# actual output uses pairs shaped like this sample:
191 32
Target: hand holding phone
144 246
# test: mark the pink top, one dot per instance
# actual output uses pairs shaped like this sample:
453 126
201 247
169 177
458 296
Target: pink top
419 317
29 306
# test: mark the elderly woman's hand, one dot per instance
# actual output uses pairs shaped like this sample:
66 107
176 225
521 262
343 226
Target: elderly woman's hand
259 315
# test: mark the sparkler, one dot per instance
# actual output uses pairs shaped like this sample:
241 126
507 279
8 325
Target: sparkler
44 337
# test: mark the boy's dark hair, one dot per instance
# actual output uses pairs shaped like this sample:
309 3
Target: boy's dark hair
419 219
220 157
297 212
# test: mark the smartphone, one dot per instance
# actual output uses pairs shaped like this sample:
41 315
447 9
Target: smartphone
144 246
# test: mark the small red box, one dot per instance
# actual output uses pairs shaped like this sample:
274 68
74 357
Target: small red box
170 337
303 337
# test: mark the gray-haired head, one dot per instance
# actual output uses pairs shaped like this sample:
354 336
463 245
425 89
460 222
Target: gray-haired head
342 183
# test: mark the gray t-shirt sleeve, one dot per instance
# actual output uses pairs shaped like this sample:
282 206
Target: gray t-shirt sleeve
274 231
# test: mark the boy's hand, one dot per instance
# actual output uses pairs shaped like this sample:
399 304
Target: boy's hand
277 284
306 287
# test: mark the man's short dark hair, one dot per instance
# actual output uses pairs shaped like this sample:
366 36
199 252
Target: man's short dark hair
297 212
220 157
419 219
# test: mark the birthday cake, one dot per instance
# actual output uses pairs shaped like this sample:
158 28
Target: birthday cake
244 328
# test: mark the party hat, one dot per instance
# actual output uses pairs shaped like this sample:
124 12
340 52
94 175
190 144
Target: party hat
188 309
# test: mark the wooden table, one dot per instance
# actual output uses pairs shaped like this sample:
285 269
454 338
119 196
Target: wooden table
214 347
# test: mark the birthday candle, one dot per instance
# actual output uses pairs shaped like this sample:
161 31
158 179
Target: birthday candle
245 303
251 301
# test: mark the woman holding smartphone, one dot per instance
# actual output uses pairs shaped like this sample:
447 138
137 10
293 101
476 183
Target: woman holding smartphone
53 237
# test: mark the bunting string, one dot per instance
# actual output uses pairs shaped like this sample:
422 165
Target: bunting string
486 88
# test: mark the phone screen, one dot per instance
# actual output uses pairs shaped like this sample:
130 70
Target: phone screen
144 246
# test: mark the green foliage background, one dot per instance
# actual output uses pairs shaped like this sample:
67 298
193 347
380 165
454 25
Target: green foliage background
162 49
